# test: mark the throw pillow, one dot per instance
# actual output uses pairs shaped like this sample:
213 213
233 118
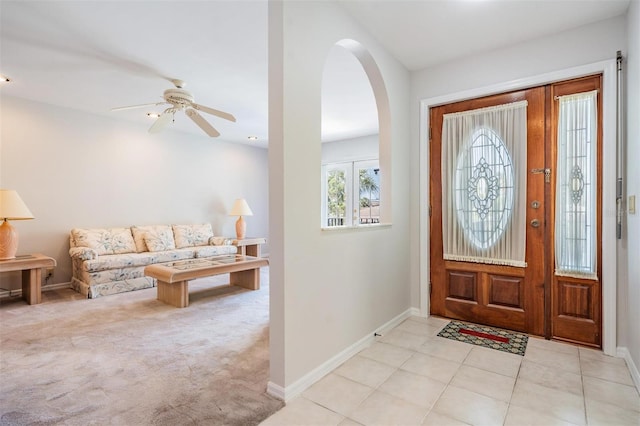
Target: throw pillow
140 231
192 235
105 240
159 240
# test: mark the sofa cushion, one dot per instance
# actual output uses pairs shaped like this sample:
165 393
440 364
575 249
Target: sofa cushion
192 235
119 261
140 231
159 240
105 240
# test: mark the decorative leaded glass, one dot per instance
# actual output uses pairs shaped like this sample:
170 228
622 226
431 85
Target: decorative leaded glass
484 188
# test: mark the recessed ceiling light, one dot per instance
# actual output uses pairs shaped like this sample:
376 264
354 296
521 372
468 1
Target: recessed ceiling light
252 138
4 79
153 114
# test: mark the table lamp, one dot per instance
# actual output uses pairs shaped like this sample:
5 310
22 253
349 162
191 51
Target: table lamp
11 207
240 208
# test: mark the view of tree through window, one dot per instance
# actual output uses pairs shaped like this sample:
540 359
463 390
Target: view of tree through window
369 195
336 197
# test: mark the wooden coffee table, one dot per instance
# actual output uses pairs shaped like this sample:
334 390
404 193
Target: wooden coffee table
173 277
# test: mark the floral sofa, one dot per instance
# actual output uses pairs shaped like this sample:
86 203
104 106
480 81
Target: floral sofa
112 260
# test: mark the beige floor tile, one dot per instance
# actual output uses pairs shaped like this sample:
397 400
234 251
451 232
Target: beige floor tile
520 416
550 377
601 413
413 388
565 361
598 355
365 371
301 411
612 393
338 393
435 368
437 419
550 345
403 339
384 409
446 349
388 354
419 327
495 361
610 371
349 422
484 382
552 402
470 407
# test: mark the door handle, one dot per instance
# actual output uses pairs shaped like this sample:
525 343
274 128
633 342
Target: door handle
535 223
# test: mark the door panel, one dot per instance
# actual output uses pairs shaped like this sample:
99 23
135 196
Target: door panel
530 299
503 296
576 302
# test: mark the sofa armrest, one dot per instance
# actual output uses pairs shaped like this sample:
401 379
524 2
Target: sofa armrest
218 241
83 253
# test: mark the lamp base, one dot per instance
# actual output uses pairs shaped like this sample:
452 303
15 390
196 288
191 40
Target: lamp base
8 241
241 228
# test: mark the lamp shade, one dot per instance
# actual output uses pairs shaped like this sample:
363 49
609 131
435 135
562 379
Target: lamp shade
240 208
12 207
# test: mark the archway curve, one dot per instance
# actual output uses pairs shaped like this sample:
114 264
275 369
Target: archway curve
374 75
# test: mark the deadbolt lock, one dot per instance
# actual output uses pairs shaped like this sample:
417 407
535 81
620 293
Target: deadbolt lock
535 204
535 223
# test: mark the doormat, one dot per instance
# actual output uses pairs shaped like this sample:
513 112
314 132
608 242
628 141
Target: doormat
489 337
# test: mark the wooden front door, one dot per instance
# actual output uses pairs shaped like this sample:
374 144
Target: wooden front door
526 296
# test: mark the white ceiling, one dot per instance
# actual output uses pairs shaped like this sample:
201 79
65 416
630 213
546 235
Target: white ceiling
96 55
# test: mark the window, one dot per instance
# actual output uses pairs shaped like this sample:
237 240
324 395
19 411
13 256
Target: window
350 194
575 237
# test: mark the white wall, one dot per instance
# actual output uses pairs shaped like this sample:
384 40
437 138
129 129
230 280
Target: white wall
584 45
328 289
74 169
632 235
354 149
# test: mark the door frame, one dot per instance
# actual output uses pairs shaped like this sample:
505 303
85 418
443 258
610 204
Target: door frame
609 243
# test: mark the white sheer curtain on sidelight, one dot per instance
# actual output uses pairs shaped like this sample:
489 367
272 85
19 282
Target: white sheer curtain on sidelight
576 206
484 161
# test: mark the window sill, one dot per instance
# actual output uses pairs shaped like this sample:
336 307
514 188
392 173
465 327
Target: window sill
357 227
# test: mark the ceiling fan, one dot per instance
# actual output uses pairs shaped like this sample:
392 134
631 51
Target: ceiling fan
180 99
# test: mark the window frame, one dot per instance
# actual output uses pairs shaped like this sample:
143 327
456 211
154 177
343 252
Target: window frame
352 191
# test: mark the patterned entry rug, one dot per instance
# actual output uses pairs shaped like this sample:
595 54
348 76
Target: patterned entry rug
489 337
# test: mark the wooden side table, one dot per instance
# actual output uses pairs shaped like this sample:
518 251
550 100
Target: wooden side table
249 246
31 266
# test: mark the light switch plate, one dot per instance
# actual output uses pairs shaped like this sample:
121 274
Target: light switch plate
632 204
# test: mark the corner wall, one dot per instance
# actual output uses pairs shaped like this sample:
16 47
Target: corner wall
329 290
632 235
74 169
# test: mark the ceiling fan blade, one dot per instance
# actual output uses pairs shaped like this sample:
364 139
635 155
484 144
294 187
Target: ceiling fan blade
212 111
162 121
202 123
137 106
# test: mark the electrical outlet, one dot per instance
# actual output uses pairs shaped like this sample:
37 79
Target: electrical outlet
49 274
632 204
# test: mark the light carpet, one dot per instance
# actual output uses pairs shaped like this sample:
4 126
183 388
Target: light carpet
128 359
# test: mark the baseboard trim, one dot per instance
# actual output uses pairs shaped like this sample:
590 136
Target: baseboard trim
18 292
296 388
623 352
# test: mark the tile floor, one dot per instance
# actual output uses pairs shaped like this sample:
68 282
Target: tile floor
410 376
